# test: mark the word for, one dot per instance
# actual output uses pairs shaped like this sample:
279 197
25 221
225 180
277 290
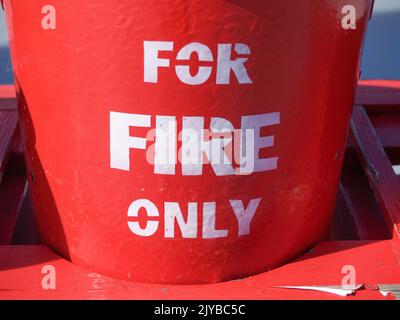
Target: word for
225 64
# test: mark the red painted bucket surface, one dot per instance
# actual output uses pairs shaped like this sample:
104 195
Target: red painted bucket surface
94 77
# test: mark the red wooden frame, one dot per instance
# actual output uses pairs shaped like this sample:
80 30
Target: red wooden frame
364 234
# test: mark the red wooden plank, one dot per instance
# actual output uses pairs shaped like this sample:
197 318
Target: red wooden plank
12 193
16 161
378 93
378 168
7 97
7 91
388 129
25 229
374 262
362 206
369 92
8 129
343 226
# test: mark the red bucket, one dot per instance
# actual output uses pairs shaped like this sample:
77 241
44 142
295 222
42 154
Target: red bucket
184 141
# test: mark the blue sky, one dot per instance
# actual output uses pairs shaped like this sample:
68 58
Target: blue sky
381 59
